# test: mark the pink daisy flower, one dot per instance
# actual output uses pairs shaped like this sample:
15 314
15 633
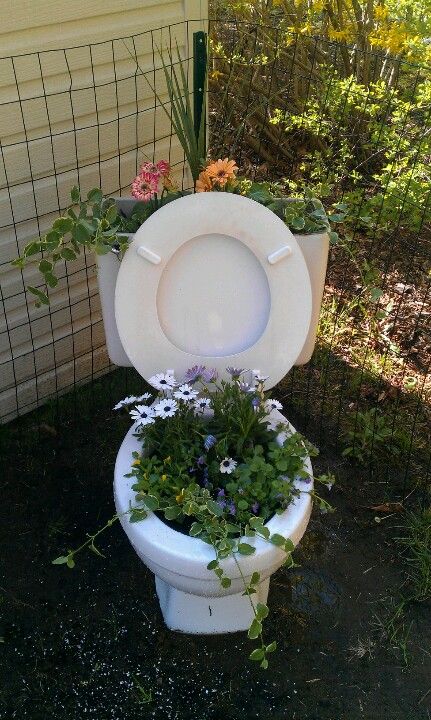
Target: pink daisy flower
144 186
163 167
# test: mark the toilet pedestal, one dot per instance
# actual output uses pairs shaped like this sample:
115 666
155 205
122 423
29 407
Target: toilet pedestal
201 615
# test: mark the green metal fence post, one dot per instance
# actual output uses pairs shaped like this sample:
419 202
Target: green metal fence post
199 77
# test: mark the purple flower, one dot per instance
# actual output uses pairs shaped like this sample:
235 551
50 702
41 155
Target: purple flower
209 375
201 460
194 373
232 508
221 493
235 372
255 507
209 442
221 504
255 402
245 387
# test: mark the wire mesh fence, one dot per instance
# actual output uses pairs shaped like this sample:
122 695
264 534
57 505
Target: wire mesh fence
354 127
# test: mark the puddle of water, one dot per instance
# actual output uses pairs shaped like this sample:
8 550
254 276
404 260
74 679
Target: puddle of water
312 590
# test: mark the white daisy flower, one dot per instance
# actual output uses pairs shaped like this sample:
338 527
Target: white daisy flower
166 408
142 398
124 403
186 392
143 414
202 404
163 381
258 378
271 404
228 465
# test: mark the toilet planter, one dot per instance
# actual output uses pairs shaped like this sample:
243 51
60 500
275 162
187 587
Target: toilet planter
180 301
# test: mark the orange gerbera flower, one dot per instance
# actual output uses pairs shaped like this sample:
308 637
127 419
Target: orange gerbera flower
221 171
203 183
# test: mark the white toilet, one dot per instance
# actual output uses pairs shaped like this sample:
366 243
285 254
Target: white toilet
212 279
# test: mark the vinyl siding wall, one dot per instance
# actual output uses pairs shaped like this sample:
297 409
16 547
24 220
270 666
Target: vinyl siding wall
81 114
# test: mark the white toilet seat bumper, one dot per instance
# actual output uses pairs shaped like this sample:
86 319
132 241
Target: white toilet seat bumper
180 560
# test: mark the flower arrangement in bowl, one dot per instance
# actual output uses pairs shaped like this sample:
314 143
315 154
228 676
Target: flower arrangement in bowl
217 460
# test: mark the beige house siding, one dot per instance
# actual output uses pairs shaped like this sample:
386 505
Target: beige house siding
84 114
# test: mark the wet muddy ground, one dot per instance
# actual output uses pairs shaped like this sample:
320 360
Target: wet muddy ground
91 643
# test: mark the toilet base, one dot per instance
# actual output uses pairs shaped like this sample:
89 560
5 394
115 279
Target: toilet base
201 615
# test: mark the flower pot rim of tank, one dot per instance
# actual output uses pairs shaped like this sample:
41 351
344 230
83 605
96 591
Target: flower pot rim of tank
98 224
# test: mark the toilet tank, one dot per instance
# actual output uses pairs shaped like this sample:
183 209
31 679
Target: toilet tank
314 247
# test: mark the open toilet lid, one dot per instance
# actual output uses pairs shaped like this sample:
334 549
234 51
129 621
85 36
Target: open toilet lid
213 279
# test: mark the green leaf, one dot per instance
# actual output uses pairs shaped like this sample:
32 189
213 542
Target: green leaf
255 522
45 266
376 293
232 529
31 249
81 232
95 195
246 549
151 502
272 647
68 254
212 565
51 280
172 512
195 529
255 629
257 654
277 539
242 504
112 214
289 546
264 531
51 241
75 194
63 225
70 562
18 262
262 611
214 508
264 664
255 578
137 514
62 560
226 582
41 296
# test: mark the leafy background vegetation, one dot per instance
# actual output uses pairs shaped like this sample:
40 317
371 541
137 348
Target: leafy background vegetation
335 98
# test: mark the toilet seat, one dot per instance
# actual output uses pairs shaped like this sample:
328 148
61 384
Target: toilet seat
213 279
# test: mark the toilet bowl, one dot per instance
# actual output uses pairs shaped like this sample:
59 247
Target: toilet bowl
211 279
191 597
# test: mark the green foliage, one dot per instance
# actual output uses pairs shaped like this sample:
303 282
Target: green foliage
181 115
370 434
390 155
415 541
91 224
302 215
